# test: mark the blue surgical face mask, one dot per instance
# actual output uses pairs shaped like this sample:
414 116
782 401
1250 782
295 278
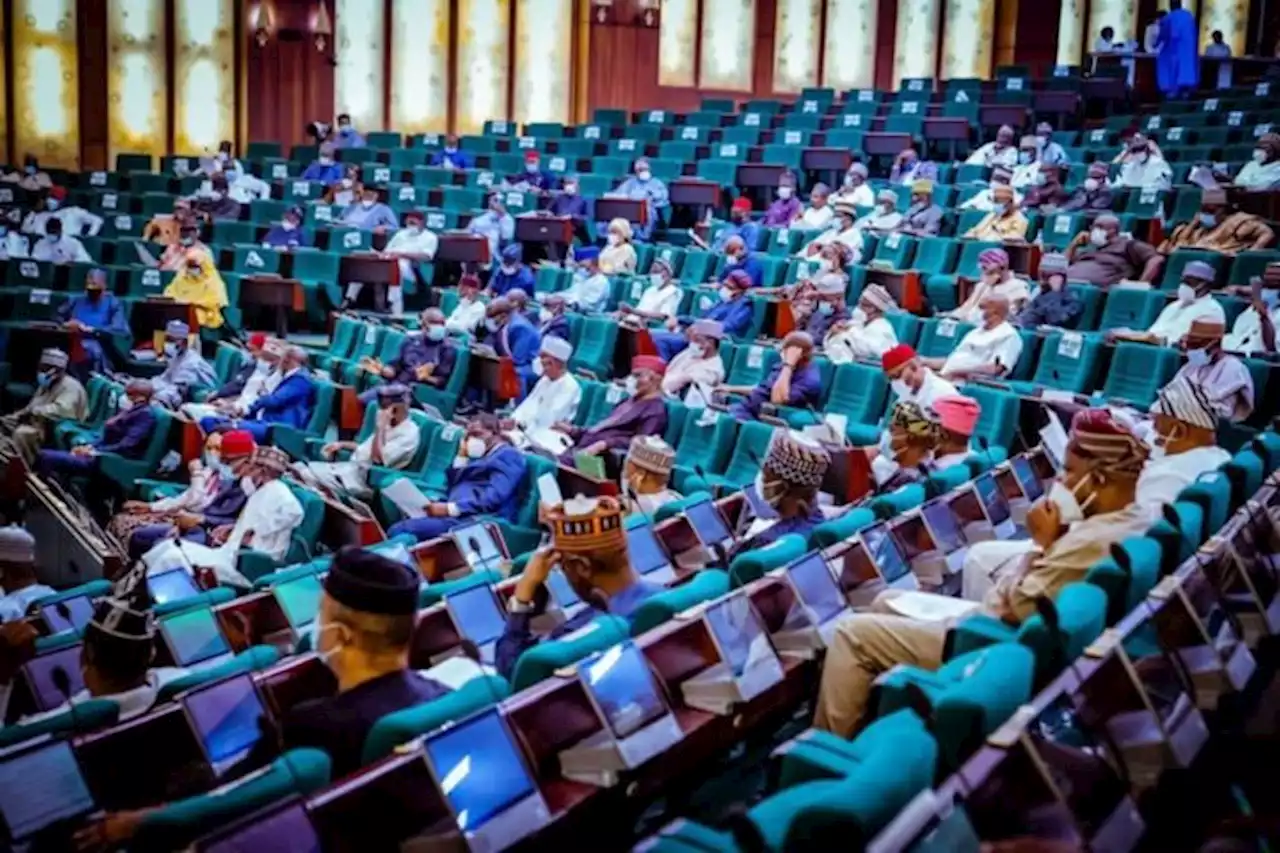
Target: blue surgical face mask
1197 357
826 309
44 380
52 204
531 168
491 324
436 333
1208 220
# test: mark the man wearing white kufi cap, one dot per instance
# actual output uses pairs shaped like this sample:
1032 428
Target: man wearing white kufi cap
1186 445
554 398
867 335
18 573
58 396
884 216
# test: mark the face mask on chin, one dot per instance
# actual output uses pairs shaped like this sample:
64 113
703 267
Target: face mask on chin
1070 508
248 485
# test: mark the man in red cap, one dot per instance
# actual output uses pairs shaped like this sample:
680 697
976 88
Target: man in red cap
257 375
76 221
642 413
740 225
910 380
957 418
532 178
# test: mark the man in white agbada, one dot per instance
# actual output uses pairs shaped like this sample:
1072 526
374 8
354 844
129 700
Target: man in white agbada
18 573
697 368
393 444
884 216
992 349
264 379
867 334
554 399
1195 302
841 230
411 244
468 314
266 523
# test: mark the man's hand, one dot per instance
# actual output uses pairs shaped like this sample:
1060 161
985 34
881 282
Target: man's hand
791 356
437 509
595 449
187 520
506 424
84 451
330 450
1255 296
1044 523
220 534
535 574
423 372
77 326
109 832
135 507
672 324
624 308
563 426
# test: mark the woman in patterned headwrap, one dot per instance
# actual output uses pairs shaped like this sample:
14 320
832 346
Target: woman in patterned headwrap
913 435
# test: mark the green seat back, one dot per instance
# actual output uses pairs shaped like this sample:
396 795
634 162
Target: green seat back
754 564
1068 362
541 662
84 717
1131 309
998 420
842 528
1138 372
707 585
858 392
1076 618
594 350
403 726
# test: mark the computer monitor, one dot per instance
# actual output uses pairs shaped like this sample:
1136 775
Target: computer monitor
561 591
645 551
890 563
816 588
993 500
69 614
300 599
40 676
41 786
478 769
171 585
477 546
476 613
193 637
1032 485
760 508
706 521
225 717
942 525
623 687
287 829
743 642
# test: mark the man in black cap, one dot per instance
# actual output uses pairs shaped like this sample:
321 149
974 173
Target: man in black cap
363 630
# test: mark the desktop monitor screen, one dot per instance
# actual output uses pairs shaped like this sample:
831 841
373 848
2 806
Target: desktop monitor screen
41 787
225 717
708 523
560 589
40 672
477 615
760 508
993 499
623 687
194 636
300 599
173 585
477 546
884 551
70 614
645 551
1030 481
1080 764
479 768
288 829
742 638
942 524
816 587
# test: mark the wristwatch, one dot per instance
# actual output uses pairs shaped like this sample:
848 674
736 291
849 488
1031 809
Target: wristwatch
516 606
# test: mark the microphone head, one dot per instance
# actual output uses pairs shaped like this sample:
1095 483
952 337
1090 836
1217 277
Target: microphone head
61 681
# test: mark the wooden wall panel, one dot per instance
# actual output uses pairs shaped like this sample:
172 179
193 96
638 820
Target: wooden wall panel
91 57
1036 39
290 83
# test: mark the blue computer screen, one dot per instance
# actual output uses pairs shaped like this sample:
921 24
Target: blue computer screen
742 638
70 614
226 717
942 526
645 551
816 586
40 672
479 769
477 614
194 636
41 787
623 686
286 831
993 499
707 522
885 552
300 599
173 585
1028 478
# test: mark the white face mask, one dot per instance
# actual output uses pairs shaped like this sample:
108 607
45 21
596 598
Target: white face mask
366 204
1271 298
1186 294
726 293
614 239
785 193
544 315
901 388
170 350
346 182
475 448
656 279
643 174
883 468
436 333
248 485
1070 510
1141 159
1259 156
1091 184
1098 237
629 385
1197 357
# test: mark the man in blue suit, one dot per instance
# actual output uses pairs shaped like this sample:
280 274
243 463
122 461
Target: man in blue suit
488 483
289 405
737 257
512 273
512 335
451 156
734 312
95 314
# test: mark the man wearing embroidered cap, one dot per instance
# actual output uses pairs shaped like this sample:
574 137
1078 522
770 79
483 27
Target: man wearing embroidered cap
923 217
843 230
999 152
185 368
1103 256
1028 166
1088 510
363 631
1186 443
1006 220
1223 377
866 335
1220 227
992 349
986 199
553 400
1050 151
911 380
1094 193
533 177
913 435
697 368
589 293
393 444
643 413
995 279
884 216
58 396
855 192
646 474
789 481
19 588
588 544
511 272
738 258
829 306
1053 304
957 418
1262 172
288 233
1195 302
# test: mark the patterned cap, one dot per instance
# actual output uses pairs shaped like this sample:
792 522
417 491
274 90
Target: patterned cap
1097 170
1097 435
1186 401
271 459
797 459
922 187
177 330
651 453
912 420
844 207
1199 270
713 329
17 545
53 358
126 613
858 169
887 195
393 393
877 296
1053 262
587 525
994 258
513 253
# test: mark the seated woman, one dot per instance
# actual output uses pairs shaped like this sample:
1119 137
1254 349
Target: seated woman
200 284
618 257
907 454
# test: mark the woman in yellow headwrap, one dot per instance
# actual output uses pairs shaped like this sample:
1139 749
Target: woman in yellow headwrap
200 285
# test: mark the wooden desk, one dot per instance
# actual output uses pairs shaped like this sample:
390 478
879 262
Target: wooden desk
903 286
255 619
148 318
826 160
880 144
940 128
574 482
463 248
631 343
349 412
281 295
759 174
493 373
369 268
694 191
1055 102
345 526
848 477
534 228
1024 258
635 211
442 558
995 115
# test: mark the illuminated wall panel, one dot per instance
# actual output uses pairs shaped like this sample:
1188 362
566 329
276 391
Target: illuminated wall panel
1071 35
544 60
676 48
728 44
46 81
204 74
915 49
970 26
484 32
137 115
360 42
850 60
797 32
1120 15
1230 16
420 65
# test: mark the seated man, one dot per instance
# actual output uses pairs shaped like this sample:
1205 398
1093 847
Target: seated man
785 208
450 156
1046 194
570 203
1053 304
468 314
618 257
1223 377
660 300
1254 330
998 152
992 349
1027 169
532 178
1262 172
347 191
95 314
909 169
32 178
12 244
740 225
829 307
1103 256
288 232
789 481
738 257
588 293
553 400
520 303
185 368
1143 168
697 368
841 230
19 587
1103 461
200 284
866 335
323 169
911 380
855 191
512 336
495 225
57 247
553 321
986 200
345 135
426 357
912 435
214 499
411 245
486 479
1005 221
995 278
817 216
256 376
643 413
734 312
646 475
589 545
884 216
1092 195
511 273
76 221
216 203
1186 444
794 381
1195 302
392 444
58 396
957 419
369 214
1050 151
923 218
290 404
1220 227
267 523
643 185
